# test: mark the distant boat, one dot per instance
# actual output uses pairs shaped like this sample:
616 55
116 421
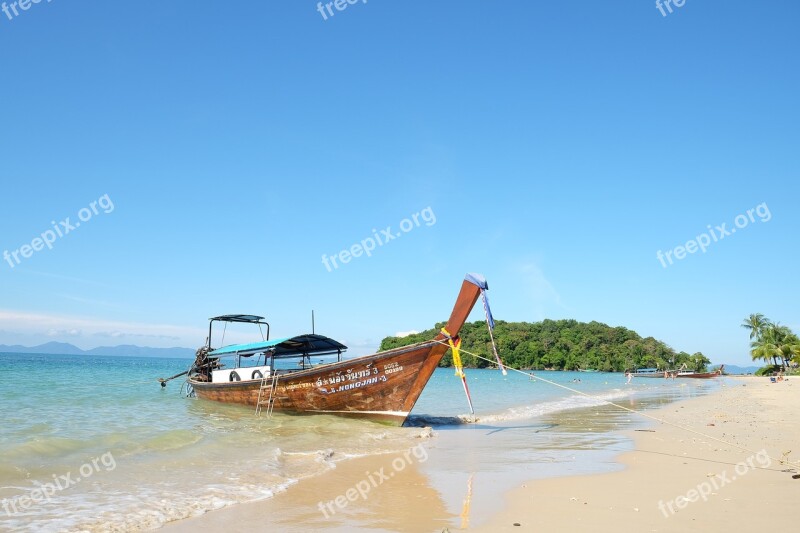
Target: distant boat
699 375
588 370
652 373
383 386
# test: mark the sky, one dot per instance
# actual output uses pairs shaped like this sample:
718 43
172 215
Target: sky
189 159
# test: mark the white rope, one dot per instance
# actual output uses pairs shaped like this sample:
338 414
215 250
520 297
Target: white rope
634 411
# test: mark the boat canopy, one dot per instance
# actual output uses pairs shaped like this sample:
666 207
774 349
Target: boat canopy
301 345
238 318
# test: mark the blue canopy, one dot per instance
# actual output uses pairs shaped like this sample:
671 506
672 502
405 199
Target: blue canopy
309 344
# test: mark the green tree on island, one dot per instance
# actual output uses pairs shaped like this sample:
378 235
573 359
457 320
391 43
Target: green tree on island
561 345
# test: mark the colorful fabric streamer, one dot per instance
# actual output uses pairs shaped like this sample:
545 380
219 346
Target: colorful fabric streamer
455 346
480 282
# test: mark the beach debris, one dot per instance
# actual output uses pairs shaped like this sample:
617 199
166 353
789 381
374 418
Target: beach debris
573 499
425 433
324 455
785 457
517 524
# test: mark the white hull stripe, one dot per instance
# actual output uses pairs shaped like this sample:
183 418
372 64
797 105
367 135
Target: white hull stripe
390 413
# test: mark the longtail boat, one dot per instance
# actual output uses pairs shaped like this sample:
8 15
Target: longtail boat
652 373
383 386
699 375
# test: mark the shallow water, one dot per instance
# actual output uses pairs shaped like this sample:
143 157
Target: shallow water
109 449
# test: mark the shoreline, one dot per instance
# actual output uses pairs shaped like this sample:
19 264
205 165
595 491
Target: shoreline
464 485
391 493
642 493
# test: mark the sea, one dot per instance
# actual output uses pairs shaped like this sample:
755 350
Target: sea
96 444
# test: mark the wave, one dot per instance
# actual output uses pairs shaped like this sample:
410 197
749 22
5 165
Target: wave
522 412
576 401
44 447
145 510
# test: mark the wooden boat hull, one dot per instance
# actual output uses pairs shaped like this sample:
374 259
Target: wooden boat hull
382 386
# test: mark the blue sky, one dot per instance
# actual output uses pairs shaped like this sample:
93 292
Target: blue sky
559 145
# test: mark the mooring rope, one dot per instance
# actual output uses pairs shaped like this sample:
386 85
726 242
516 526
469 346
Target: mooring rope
634 411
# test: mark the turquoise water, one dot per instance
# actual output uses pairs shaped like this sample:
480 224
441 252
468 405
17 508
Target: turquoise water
94 443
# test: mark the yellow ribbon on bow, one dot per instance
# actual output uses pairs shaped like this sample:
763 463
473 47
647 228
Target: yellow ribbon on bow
455 346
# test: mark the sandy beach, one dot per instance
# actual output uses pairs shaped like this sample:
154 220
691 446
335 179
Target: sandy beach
674 480
741 491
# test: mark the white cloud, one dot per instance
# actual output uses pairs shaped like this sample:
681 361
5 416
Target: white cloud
405 333
121 334
64 333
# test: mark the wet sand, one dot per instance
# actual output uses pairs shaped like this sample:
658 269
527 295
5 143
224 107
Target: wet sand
397 497
665 464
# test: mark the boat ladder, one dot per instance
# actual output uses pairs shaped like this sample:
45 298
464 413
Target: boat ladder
267 382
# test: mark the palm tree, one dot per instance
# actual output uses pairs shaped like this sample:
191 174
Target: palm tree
756 323
763 350
785 342
788 352
770 341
